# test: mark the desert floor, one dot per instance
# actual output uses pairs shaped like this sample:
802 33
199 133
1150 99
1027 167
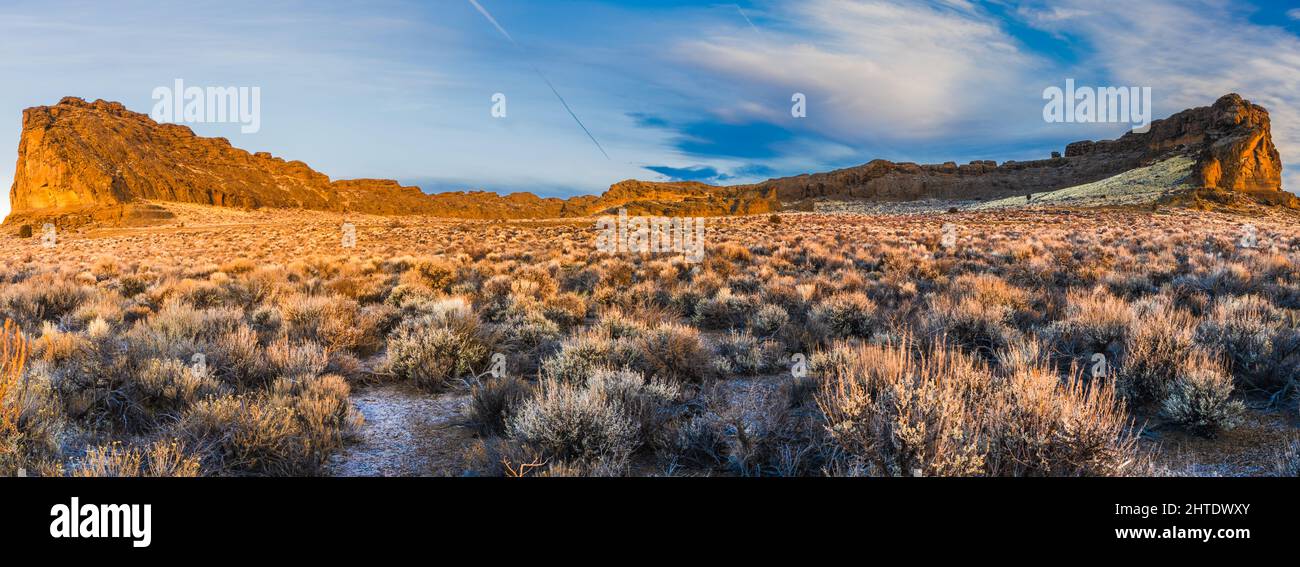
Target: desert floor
1047 341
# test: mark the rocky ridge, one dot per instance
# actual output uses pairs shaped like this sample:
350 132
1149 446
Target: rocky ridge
97 162
1231 141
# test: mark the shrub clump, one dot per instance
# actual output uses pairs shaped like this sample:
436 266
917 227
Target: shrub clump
572 423
159 459
592 428
1200 399
289 431
494 400
431 351
674 353
743 353
1250 331
1288 460
13 359
937 412
846 315
769 320
1154 352
167 388
978 327
1093 323
31 420
582 354
724 310
566 309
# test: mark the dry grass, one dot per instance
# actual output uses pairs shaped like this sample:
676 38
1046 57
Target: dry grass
13 359
241 336
937 412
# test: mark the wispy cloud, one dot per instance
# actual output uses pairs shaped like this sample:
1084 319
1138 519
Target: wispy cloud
874 70
697 173
1191 52
673 89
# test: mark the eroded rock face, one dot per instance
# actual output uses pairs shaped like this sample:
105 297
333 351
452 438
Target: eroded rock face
78 157
95 162
1232 141
81 162
1240 155
684 198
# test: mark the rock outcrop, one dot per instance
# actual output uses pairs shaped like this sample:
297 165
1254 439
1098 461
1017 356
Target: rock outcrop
1240 155
98 162
1231 141
685 198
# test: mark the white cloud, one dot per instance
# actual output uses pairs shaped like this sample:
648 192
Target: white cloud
1191 53
903 79
888 72
1294 14
1051 14
873 70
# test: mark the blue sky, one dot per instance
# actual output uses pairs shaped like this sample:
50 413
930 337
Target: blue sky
670 89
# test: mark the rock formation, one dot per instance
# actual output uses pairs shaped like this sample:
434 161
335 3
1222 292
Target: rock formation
1231 140
685 198
81 162
97 162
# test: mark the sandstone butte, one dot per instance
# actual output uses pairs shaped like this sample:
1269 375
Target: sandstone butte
99 163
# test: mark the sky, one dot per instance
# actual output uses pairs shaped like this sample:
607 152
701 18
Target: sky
600 91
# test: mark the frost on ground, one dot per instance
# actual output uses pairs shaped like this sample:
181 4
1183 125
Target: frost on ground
407 433
1135 187
1250 449
919 207
114 318
1140 186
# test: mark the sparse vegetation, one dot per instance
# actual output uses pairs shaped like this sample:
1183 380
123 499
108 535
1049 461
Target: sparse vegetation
1200 399
897 411
215 352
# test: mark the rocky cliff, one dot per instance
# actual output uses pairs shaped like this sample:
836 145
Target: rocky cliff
1231 141
98 162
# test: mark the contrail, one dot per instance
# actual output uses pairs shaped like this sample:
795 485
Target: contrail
570 111
505 33
489 17
743 15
